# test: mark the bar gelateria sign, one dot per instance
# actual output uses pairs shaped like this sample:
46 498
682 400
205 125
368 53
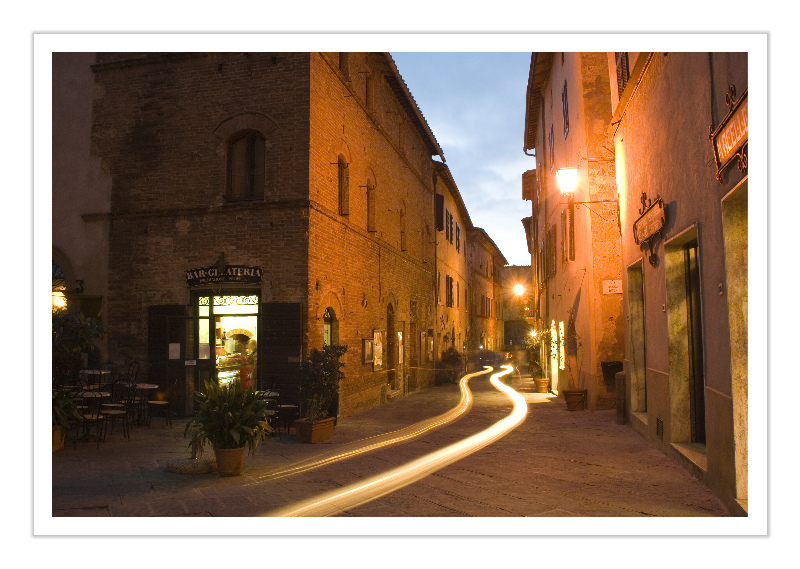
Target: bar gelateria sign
229 274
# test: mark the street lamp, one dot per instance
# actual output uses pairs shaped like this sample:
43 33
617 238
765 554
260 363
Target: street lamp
567 178
519 290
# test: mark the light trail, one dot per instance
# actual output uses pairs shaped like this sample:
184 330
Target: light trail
338 501
386 439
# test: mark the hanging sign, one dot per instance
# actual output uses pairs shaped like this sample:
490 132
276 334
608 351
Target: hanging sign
230 274
730 137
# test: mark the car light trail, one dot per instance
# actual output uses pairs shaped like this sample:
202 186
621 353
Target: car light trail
386 439
381 484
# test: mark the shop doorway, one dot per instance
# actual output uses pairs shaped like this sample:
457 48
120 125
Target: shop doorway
227 334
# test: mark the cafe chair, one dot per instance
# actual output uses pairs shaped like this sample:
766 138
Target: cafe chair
108 379
121 411
92 420
160 405
288 409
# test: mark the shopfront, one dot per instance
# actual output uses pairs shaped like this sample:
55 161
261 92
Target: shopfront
218 335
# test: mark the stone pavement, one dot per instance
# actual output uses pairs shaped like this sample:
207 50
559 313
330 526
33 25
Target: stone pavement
557 463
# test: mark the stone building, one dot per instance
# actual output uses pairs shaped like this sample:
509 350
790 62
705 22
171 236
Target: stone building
225 213
574 232
518 296
453 276
486 263
680 134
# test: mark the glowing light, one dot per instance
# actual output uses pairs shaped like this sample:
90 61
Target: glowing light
567 179
519 290
387 439
381 484
561 358
59 300
554 348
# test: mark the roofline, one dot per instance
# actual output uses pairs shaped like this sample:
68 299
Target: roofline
411 106
485 236
541 63
443 171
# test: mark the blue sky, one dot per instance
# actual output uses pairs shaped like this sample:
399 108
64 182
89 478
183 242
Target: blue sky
475 105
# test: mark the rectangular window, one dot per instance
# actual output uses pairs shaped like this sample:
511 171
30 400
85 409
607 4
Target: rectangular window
571 230
371 208
344 186
565 107
447 225
551 148
438 287
458 237
623 72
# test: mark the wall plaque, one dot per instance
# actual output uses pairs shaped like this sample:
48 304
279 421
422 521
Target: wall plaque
648 227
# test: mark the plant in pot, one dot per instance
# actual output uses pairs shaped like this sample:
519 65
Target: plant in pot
575 395
73 334
320 376
452 365
533 343
232 419
64 412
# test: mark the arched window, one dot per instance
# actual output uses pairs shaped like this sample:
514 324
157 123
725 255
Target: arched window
344 185
330 330
246 166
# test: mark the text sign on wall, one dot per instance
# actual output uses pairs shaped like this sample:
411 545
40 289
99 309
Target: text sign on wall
231 274
612 287
730 137
650 222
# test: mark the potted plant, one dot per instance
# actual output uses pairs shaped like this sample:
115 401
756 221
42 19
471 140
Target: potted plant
575 395
232 419
64 411
73 334
320 375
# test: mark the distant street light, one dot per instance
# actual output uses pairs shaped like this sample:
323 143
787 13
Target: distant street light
519 290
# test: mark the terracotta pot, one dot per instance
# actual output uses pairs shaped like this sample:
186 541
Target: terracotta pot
229 461
58 438
542 384
575 398
314 431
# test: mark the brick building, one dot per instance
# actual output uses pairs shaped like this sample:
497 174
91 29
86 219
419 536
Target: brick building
227 212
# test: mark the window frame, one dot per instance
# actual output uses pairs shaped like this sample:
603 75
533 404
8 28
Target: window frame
254 188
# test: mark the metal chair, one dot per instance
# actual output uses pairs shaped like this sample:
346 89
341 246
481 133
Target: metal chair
122 411
160 405
288 408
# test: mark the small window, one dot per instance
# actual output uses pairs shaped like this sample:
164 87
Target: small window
344 186
344 64
246 165
623 72
330 326
565 107
571 232
371 207
458 237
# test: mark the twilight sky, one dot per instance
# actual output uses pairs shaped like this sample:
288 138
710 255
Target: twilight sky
475 106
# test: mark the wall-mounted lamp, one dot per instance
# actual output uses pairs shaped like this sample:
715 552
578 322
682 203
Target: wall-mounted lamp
567 180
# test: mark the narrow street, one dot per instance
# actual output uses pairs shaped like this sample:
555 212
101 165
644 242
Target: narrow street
556 463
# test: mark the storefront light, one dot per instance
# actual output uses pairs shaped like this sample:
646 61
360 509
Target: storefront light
59 300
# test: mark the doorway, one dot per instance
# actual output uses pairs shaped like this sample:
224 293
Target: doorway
227 334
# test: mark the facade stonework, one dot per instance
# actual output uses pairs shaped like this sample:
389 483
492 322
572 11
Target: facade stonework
315 170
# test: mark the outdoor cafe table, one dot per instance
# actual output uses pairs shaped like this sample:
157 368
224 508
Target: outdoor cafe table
94 378
144 389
